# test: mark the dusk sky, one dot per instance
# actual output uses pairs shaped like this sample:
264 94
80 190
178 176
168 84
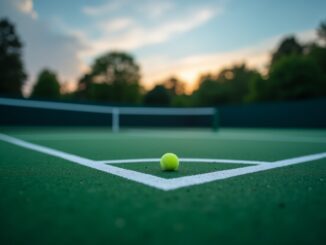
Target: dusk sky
181 38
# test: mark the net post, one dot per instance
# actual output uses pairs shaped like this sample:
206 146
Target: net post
215 120
115 120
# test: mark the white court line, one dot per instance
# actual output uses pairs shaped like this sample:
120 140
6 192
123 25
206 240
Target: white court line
146 179
129 161
225 174
222 161
157 182
199 160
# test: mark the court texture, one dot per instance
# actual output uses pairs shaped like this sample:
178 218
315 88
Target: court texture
89 185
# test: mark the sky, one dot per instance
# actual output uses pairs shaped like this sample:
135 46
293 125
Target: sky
182 38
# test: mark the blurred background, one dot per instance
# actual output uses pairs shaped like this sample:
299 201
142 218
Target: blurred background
248 58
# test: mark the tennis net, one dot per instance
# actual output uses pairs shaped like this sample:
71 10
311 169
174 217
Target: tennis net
47 113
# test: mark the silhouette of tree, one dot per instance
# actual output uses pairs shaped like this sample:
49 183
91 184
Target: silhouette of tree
12 74
84 87
119 75
321 31
175 86
46 86
295 77
318 54
208 93
116 67
159 95
288 46
236 81
231 85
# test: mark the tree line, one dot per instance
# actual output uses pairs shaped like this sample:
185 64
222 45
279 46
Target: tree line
295 71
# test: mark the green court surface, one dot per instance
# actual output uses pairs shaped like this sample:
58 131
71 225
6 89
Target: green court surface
47 198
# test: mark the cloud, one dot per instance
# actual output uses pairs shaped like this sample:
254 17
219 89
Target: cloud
158 68
150 8
43 47
116 25
70 53
103 9
156 9
26 6
139 36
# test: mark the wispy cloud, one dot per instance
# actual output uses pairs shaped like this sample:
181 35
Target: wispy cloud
152 9
156 9
43 47
117 24
26 6
138 36
102 9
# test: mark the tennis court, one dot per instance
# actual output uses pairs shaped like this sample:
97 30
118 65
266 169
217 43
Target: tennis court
90 185
162 122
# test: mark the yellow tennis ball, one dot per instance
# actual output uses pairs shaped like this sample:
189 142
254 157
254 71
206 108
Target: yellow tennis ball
169 162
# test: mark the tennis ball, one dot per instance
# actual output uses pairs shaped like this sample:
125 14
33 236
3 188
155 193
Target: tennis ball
169 162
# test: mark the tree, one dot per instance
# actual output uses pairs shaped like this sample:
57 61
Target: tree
12 74
318 54
46 86
288 46
295 77
175 86
158 96
84 87
177 91
182 100
236 81
210 92
321 31
258 90
120 75
231 85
